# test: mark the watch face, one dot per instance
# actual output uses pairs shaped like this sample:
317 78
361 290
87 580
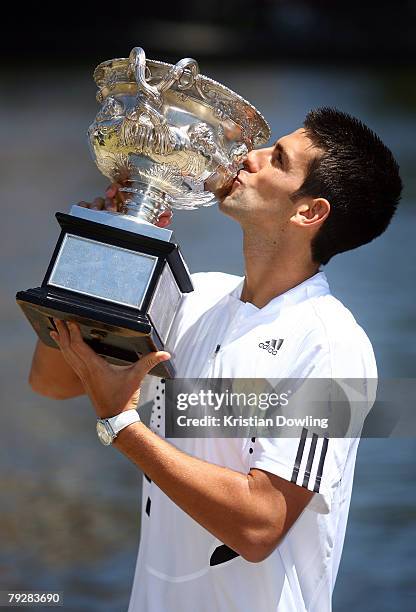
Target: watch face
105 437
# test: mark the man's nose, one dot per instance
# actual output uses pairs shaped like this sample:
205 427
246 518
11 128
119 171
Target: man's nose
256 159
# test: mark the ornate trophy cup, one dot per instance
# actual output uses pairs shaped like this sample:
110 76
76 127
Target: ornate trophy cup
171 136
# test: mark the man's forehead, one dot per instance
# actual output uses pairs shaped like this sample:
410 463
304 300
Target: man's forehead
297 140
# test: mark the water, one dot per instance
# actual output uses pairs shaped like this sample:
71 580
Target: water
69 507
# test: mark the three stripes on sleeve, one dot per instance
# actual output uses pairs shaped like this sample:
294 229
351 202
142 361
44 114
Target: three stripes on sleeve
310 459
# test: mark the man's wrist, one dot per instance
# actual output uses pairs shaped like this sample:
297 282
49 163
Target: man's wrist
109 428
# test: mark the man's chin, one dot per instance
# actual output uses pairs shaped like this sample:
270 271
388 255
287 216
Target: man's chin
225 202
228 206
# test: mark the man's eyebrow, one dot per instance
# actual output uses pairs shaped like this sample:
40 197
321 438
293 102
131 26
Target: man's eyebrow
279 147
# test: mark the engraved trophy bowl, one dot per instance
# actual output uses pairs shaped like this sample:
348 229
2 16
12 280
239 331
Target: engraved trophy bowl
170 134
172 137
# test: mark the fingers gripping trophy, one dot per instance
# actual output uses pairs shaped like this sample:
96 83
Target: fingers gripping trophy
172 137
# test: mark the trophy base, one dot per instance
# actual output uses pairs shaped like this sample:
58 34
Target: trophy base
122 288
120 338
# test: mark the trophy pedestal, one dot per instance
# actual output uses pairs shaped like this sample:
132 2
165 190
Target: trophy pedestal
122 288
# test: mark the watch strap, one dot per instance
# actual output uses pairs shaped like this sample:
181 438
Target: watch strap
120 421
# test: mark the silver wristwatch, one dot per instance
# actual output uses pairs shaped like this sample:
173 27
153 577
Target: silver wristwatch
108 429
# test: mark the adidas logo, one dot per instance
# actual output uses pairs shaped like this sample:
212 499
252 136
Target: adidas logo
271 346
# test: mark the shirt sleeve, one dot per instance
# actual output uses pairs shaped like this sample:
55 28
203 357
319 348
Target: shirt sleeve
313 462
310 458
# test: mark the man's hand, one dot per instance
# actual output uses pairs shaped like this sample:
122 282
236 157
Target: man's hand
112 389
114 202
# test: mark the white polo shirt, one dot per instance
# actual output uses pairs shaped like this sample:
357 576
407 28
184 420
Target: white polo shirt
181 567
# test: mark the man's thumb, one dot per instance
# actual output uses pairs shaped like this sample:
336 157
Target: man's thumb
148 362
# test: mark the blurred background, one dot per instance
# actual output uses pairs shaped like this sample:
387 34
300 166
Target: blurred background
69 513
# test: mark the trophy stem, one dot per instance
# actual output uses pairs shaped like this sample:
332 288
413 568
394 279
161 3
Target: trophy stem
145 202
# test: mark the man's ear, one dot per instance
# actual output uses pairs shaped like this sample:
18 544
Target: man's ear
311 212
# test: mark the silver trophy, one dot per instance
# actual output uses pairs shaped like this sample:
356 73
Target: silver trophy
172 137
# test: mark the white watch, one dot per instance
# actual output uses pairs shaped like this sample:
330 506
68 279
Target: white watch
108 429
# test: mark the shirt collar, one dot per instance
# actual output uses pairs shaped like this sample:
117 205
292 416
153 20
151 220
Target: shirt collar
312 287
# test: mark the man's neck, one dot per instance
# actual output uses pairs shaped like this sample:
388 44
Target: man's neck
272 269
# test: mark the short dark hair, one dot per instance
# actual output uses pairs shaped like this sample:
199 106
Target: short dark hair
357 174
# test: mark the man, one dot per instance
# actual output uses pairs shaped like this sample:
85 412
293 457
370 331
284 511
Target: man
251 524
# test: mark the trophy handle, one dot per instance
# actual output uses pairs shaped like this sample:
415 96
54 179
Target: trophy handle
176 73
137 60
157 137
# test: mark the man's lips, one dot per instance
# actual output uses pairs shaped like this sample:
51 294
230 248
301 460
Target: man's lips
231 186
237 181
241 175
